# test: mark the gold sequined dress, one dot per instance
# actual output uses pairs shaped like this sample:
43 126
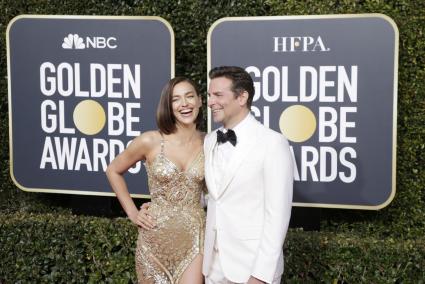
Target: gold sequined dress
163 253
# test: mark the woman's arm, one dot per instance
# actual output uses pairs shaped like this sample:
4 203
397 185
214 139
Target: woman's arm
138 150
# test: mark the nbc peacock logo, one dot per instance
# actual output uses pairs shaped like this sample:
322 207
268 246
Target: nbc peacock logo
73 41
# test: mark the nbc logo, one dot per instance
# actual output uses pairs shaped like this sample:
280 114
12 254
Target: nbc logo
74 41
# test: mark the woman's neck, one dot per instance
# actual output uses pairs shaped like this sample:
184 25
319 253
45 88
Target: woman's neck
184 134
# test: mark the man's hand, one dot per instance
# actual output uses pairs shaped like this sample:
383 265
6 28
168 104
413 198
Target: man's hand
253 280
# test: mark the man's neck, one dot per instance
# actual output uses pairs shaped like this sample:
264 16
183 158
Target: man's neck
236 120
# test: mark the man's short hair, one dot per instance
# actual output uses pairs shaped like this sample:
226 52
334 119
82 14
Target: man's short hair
241 80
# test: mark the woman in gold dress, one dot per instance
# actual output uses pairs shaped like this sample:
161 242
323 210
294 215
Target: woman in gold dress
170 250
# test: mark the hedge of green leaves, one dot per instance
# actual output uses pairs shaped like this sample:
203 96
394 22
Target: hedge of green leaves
64 248
42 242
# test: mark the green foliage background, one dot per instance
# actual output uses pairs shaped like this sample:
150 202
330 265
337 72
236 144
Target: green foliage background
41 241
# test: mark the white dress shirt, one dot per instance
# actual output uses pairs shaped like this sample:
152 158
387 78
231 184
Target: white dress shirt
222 152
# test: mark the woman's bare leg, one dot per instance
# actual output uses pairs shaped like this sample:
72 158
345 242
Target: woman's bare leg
193 272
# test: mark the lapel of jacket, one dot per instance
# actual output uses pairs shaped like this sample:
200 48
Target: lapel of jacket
241 153
209 172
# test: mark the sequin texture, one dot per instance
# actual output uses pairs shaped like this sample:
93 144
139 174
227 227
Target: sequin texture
163 253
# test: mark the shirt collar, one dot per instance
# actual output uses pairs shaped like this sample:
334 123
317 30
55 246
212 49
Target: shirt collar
242 128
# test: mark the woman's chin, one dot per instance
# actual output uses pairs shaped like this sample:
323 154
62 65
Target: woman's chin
186 122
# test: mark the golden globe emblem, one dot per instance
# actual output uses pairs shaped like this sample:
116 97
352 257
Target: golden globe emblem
297 123
89 117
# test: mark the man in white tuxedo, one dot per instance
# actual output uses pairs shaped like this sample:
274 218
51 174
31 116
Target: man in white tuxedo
249 175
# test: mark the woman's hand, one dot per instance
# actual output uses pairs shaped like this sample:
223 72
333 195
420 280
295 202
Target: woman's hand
143 218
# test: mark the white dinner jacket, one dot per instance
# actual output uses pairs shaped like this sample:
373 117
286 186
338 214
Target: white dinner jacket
249 211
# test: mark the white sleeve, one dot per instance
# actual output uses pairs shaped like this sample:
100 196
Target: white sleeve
278 186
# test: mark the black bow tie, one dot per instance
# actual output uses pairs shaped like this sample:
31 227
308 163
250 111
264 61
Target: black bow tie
228 136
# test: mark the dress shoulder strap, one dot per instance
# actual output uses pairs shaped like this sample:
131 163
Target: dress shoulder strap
162 144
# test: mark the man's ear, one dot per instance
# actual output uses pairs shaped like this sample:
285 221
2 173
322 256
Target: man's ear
243 98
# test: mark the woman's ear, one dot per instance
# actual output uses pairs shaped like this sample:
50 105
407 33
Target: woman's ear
199 101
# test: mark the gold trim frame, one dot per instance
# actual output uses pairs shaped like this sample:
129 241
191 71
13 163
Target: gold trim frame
67 191
395 85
